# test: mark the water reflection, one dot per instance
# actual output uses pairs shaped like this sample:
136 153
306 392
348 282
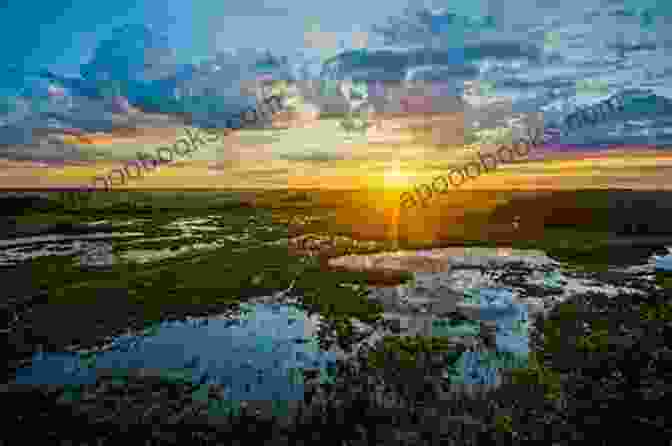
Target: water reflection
94 250
254 356
462 281
99 256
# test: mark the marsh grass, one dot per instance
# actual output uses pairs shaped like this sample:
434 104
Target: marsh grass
593 356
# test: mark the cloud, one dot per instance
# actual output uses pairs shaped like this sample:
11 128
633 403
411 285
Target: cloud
259 174
320 39
253 9
315 156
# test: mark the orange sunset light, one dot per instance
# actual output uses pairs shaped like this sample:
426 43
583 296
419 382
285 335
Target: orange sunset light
392 177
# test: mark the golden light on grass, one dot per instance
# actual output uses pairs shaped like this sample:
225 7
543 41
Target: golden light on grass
395 180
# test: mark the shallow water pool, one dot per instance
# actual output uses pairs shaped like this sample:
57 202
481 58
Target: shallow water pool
257 356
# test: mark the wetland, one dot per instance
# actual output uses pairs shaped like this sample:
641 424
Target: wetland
248 316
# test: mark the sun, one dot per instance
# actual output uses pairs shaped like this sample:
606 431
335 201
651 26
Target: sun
395 178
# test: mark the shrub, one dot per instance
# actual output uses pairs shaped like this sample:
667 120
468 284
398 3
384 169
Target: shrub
503 423
404 351
538 375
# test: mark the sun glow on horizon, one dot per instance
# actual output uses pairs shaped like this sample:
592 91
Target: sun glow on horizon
395 177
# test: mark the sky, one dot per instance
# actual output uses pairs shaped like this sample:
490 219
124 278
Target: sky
61 34
592 43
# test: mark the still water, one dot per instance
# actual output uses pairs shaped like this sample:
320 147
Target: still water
261 354
255 356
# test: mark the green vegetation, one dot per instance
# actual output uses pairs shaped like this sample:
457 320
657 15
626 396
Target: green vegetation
403 351
503 423
599 355
657 312
595 348
196 282
536 374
